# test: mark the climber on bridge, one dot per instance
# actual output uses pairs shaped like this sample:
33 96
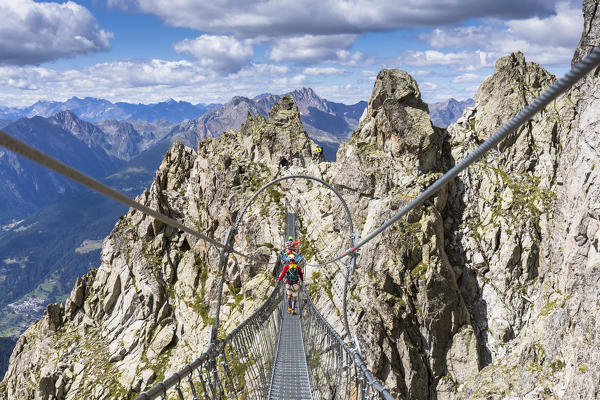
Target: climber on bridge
287 256
291 244
293 274
299 260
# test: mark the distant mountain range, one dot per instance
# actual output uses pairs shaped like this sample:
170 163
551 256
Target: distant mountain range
447 112
327 123
312 106
93 110
128 139
100 149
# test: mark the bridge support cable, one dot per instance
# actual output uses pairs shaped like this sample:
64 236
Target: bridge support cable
332 276
283 178
223 258
244 209
290 222
233 367
349 272
579 70
44 160
335 370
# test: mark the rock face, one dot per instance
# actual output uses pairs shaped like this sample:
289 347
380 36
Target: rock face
489 290
502 205
404 274
6 345
552 349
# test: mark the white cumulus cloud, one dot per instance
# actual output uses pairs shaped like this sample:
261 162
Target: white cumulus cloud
560 30
220 53
428 86
312 48
290 82
468 78
346 93
145 81
32 33
136 74
460 37
420 72
463 60
546 40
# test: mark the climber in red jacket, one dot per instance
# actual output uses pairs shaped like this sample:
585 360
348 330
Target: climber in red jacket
293 274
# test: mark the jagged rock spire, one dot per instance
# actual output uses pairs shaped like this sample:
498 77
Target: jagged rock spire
265 140
397 121
514 84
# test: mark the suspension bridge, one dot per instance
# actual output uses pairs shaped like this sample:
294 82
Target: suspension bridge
273 354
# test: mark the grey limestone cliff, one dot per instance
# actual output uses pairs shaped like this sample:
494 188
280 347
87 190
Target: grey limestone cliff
545 336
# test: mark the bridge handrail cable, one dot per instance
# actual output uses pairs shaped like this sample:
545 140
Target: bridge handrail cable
368 384
216 348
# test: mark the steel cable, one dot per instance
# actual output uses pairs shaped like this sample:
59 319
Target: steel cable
330 274
38 157
328 369
309 211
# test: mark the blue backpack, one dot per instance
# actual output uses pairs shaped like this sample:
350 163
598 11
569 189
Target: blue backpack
292 273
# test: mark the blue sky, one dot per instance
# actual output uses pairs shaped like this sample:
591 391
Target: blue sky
146 51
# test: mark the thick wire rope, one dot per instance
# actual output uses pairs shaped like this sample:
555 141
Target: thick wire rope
307 177
321 245
361 369
334 294
245 227
38 157
580 69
